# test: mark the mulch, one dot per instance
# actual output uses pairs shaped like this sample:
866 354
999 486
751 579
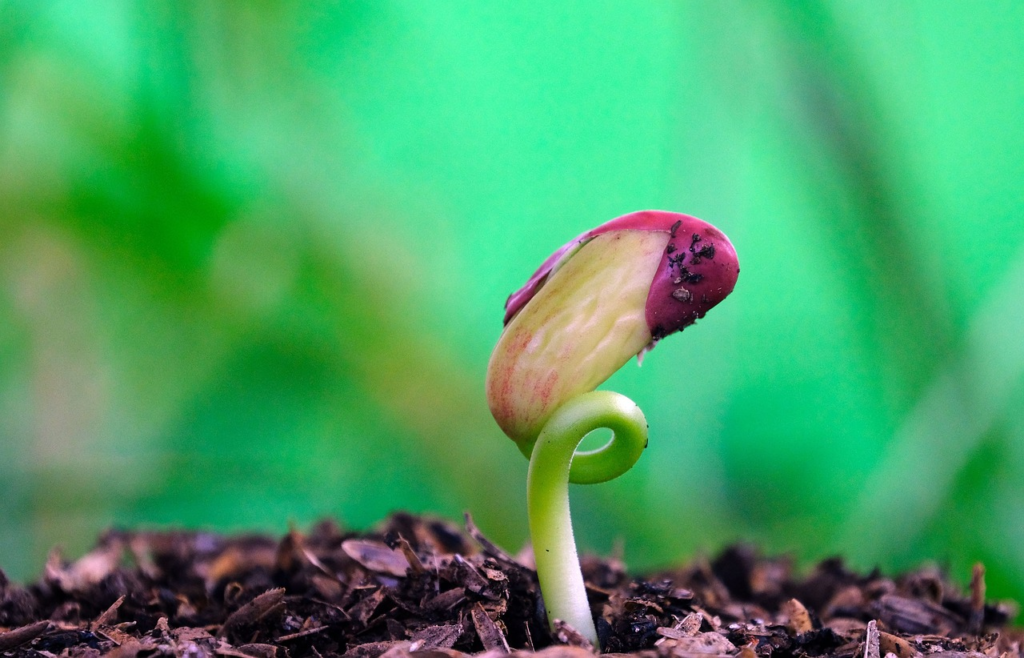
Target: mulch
424 588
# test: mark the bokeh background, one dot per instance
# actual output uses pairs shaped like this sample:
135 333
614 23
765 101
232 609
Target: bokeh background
253 258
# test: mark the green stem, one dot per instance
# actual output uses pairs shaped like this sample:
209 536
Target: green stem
554 462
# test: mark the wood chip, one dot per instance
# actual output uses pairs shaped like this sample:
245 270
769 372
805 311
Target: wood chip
915 616
189 634
441 636
239 559
529 636
265 604
445 600
376 556
401 650
673 633
568 635
312 559
224 649
410 650
977 619
109 615
88 570
490 635
564 651
116 634
259 650
748 650
848 628
363 610
132 648
289 551
328 588
494 575
636 602
690 624
889 643
703 643
372 649
714 621
15 638
799 619
871 641
305 633
415 566
473 581
847 598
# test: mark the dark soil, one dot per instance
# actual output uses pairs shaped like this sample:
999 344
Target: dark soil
425 588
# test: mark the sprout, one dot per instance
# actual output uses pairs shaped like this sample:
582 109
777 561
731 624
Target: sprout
608 295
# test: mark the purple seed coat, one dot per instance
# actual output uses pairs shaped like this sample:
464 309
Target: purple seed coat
698 269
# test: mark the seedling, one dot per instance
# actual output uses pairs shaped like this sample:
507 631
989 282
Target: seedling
608 295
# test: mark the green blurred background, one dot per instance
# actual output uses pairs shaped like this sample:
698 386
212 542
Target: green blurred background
253 258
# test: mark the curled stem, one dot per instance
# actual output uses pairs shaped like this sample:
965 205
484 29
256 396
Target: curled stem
554 463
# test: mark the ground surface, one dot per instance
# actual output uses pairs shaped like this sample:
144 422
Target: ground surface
429 589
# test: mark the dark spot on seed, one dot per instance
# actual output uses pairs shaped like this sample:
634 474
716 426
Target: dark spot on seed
686 276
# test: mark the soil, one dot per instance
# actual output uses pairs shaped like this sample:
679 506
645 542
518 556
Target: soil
425 588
